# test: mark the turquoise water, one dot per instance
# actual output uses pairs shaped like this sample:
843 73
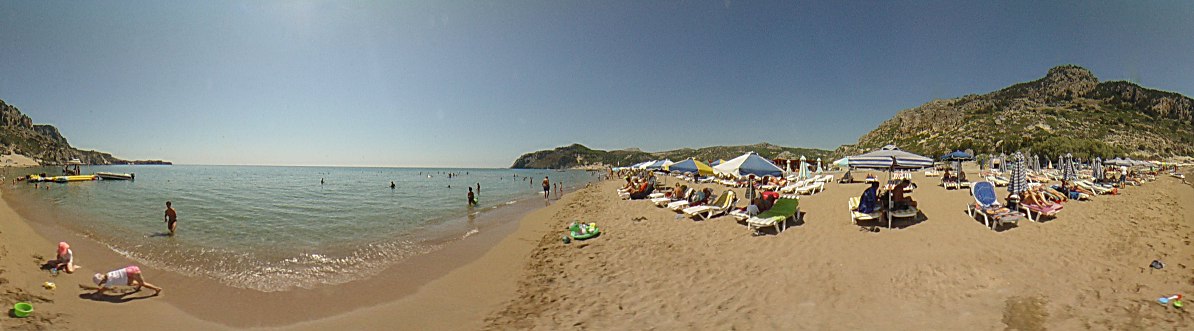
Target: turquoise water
274 228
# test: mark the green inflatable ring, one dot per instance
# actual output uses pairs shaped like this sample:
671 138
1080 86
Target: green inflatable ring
590 234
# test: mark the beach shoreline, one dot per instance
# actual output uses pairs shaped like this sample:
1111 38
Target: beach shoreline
210 304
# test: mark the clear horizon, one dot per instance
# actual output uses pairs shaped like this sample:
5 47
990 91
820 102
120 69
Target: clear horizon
465 84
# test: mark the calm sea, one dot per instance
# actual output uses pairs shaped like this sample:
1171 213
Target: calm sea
274 228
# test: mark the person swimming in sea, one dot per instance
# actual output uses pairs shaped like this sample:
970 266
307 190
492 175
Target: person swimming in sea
392 186
472 199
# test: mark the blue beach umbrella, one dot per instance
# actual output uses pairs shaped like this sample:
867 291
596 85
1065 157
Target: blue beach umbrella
957 156
748 164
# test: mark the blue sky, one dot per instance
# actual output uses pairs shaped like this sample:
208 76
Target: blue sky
477 83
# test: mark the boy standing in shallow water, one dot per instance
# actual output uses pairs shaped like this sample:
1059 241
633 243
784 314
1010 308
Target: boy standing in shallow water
171 218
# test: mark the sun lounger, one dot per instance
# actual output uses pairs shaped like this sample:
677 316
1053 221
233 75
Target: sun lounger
998 181
664 201
987 205
1096 188
777 216
723 204
811 188
740 215
856 215
794 186
1050 210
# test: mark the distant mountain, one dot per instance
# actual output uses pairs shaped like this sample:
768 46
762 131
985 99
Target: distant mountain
44 143
1067 111
577 155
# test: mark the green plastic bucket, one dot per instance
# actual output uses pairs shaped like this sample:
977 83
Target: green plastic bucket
22 309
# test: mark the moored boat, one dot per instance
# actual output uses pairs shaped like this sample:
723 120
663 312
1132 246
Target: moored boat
115 176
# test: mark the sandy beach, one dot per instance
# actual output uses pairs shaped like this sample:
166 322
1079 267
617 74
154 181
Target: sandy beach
1086 269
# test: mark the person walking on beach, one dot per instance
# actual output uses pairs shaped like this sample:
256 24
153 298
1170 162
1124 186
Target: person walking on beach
127 276
171 218
546 188
472 199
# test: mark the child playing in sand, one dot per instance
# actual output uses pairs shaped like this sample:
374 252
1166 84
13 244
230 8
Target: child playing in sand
126 276
65 260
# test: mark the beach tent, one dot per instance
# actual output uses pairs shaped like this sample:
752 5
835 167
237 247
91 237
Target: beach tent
890 157
748 164
693 166
1019 169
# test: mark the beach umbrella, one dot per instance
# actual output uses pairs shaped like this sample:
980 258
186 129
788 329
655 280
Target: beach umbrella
957 156
803 167
1019 182
693 166
818 165
715 163
1068 172
1096 168
890 157
842 162
748 164
1036 163
658 164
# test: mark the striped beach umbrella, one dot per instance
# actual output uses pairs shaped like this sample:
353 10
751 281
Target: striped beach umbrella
1068 171
890 157
1019 169
1096 168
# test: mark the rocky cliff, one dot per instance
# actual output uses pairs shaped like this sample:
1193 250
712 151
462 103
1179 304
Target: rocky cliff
1067 111
44 143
